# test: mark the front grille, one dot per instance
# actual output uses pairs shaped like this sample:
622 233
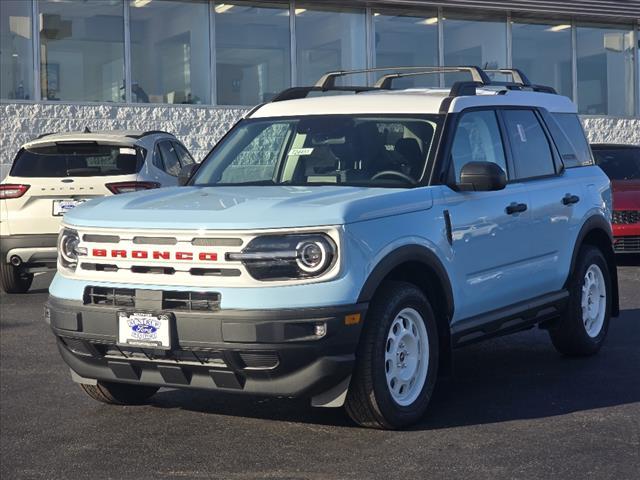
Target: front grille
171 300
259 360
627 244
106 296
625 217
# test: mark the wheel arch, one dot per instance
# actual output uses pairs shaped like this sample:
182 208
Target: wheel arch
418 265
596 231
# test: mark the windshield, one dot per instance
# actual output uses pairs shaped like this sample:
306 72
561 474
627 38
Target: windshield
382 151
619 163
77 160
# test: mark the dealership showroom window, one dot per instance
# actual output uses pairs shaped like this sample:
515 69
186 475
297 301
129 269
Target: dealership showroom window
121 63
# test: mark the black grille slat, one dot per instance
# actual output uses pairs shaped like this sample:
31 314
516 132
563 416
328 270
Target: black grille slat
627 244
116 297
171 300
626 217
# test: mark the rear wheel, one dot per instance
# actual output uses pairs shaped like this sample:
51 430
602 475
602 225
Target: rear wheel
119 393
13 279
397 360
583 328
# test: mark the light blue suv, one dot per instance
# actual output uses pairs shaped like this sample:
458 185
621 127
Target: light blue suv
339 247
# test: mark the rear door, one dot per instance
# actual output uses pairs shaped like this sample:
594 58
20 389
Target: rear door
61 176
554 198
166 163
490 238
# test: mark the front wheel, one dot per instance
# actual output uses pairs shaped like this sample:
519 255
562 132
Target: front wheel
397 359
13 279
583 328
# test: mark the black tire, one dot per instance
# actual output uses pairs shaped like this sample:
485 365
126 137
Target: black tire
119 393
369 402
13 280
569 336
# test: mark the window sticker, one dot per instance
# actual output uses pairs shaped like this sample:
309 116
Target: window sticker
521 133
296 152
127 151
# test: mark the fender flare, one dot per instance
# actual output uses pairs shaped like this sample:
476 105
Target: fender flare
404 254
598 222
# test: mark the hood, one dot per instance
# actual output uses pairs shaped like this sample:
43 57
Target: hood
251 207
626 194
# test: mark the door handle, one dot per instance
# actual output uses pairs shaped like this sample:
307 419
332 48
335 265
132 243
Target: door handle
516 208
569 199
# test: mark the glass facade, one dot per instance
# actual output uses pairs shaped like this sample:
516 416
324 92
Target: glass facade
243 52
16 50
81 50
407 38
549 41
253 54
605 70
170 51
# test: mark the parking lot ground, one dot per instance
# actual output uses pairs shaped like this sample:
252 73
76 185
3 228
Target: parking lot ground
514 409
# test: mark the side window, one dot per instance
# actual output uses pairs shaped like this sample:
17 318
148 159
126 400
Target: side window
532 155
477 139
157 158
184 156
572 129
169 158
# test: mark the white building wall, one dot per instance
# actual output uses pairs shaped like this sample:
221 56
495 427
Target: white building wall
198 127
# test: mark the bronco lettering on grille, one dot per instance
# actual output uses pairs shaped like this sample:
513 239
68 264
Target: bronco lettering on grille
155 254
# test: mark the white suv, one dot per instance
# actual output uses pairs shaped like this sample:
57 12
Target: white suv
56 172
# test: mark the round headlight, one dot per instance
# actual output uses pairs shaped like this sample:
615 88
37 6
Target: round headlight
68 242
312 256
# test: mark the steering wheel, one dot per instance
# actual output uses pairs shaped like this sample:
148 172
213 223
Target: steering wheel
394 173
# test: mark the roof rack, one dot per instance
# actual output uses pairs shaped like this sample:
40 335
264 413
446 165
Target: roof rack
477 74
149 132
520 80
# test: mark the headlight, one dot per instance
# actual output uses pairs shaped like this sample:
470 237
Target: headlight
68 250
287 257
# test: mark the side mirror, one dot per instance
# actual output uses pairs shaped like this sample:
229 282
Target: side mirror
186 173
482 177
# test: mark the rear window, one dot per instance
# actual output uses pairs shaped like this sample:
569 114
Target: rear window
619 163
570 139
78 160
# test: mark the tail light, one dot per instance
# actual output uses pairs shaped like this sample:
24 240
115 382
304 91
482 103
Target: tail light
11 190
127 187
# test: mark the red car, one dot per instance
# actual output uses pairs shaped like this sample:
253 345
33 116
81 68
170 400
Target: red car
622 164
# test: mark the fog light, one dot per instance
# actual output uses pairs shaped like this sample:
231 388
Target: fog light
320 329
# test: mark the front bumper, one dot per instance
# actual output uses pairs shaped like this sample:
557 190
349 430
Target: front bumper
33 249
268 352
626 238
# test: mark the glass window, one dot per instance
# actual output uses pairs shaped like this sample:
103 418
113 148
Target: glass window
169 158
407 39
570 140
170 51
82 50
605 71
253 54
543 53
621 162
329 39
531 150
78 160
183 155
474 40
16 50
477 139
319 150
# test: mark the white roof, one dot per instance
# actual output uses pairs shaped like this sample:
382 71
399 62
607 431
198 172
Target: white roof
416 101
118 137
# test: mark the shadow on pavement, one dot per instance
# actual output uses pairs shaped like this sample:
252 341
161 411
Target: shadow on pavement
512 378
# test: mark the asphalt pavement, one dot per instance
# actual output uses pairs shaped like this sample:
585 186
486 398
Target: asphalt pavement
514 409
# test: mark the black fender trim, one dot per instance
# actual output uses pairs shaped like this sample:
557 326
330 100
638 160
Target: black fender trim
597 222
408 253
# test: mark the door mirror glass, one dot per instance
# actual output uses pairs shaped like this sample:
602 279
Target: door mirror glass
185 173
481 177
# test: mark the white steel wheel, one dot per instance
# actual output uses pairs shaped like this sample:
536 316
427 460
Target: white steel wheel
406 357
593 301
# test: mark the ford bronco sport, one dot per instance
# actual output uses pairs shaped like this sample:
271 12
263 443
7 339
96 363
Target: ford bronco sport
340 247
56 172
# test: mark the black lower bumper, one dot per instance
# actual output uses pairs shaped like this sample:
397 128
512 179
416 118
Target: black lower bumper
11 242
259 352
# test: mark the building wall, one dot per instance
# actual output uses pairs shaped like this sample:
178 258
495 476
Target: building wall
198 127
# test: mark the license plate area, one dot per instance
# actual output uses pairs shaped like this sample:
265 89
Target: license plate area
60 207
145 329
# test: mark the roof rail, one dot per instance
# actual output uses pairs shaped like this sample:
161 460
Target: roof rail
294 93
477 74
44 135
150 132
519 80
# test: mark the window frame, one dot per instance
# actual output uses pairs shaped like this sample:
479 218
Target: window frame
164 169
